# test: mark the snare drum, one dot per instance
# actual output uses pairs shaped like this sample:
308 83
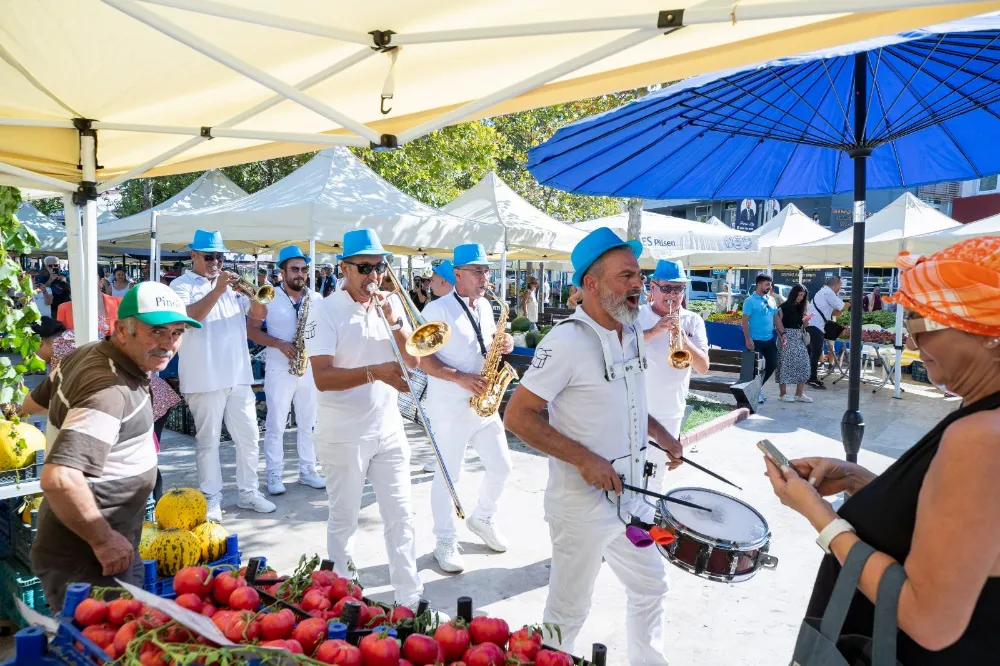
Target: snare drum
727 545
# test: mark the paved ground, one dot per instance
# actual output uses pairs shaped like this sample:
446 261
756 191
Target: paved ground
747 624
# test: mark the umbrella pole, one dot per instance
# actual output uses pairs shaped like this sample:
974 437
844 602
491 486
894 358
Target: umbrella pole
852 426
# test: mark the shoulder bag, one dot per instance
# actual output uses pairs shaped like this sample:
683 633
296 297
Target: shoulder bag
831 329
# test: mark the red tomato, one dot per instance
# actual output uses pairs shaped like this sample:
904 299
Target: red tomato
310 633
111 651
294 646
125 634
404 662
338 652
177 634
517 659
526 641
154 657
193 580
121 611
190 601
242 628
338 607
224 585
277 626
484 654
377 650
343 587
315 600
552 658
323 578
489 630
422 650
372 616
400 613
244 598
103 634
277 643
208 610
221 619
90 611
454 638
151 618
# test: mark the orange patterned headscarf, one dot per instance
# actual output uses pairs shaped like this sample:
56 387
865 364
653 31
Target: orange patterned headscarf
958 286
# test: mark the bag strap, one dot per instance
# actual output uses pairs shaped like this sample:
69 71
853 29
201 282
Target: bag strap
475 324
886 617
843 591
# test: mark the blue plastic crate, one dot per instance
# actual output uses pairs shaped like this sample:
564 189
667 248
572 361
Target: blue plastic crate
164 587
31 472
16 581
31 648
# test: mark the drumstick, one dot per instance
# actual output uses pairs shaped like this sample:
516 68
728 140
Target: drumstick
709 472
643 491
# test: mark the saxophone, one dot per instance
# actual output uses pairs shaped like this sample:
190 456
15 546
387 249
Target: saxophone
497 372
298 366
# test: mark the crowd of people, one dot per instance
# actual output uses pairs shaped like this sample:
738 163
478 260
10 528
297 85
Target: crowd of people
586 401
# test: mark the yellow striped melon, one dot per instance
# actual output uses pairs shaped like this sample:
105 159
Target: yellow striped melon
149 532
18 443
213 537
181 509
175 549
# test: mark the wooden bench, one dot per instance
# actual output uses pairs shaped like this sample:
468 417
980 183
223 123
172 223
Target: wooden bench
735 372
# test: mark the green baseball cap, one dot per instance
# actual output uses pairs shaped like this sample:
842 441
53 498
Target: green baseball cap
154 304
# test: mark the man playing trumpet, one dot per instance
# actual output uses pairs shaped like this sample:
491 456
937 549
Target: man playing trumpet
455 375
668 327
359 430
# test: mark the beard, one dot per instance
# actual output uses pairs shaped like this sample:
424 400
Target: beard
296 284
618 306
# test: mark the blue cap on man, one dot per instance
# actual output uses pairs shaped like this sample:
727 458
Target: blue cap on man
290 252
470 254
207 241
593 247
670 271
446 271
362 242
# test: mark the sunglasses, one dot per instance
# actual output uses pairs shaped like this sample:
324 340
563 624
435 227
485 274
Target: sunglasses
367 269
918 325
478 272
670 288
213 256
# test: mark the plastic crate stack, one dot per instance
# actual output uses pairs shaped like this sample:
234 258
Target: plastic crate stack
16 578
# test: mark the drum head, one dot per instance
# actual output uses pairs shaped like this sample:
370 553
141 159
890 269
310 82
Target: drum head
730 520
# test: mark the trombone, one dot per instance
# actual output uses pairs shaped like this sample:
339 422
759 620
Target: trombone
244 285
426 339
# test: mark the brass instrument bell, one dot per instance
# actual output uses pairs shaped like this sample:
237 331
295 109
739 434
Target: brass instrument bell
679 357
427 337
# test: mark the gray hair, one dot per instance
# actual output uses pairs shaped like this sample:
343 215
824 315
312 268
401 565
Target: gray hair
131 325
834 280
50 260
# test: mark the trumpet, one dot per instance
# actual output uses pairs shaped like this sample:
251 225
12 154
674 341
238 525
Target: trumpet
679 358
427 338
244 284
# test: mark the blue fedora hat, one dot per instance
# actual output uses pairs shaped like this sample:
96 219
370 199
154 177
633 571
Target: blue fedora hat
207 241
446 271
339 257
670 271
470 254
595 244
360 242
290 252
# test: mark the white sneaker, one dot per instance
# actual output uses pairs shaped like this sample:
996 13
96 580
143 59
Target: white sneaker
803 398
448 557
309 477
430 466
214 507
254 499
486 529
274 484
786 398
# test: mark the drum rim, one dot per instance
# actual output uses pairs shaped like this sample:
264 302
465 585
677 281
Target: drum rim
726 544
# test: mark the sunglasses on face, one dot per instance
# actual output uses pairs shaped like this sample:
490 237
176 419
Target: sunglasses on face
478 272
213 256
670 288
917 325
367 269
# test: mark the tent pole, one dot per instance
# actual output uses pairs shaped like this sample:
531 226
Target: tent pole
154 268
541 291
86 327
224 133
852 426
897 370
503 269
75 258
312 263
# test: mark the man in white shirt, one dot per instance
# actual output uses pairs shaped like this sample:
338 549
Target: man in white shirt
359 429
327 280
666 385
546 292
215 374
586 373
282 388
454 376
824 307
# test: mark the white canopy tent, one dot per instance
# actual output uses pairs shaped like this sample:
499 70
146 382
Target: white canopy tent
930 243
329 195
665 237
51 235
791 227
202 70
716 222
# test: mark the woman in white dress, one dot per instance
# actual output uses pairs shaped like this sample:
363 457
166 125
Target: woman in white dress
120 283
529 301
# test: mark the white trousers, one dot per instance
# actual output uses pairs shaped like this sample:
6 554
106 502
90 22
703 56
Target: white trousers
386 464
656 456
283 390
237 406
577 549
455 428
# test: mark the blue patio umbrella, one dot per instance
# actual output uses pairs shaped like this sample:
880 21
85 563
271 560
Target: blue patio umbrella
910 109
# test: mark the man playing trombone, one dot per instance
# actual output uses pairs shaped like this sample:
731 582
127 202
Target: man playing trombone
455 375
215 373
359 430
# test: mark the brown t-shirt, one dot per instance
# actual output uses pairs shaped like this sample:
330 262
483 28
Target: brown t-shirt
99 404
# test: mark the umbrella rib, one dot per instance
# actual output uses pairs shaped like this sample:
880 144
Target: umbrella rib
833 86
964 103
802 99
905 87
874 81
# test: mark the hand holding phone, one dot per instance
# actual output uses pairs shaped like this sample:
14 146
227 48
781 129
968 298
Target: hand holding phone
775 456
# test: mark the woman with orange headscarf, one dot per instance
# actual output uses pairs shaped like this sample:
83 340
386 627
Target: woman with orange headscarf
936 510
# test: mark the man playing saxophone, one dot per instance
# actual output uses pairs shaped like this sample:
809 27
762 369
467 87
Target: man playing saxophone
668 328
456 374
288 378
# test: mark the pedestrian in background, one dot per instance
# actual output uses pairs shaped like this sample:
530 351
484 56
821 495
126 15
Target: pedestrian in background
759 323
793 353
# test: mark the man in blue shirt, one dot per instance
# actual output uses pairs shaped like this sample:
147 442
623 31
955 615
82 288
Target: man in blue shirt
759 321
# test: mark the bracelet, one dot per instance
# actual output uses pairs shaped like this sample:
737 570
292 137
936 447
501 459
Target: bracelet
369 378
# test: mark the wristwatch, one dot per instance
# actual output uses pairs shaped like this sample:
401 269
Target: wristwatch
832 531
398 325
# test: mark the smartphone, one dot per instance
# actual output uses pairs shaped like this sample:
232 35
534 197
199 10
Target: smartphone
774 455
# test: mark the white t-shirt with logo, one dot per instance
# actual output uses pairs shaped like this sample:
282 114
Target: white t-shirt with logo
568 373
824 301
215 356
355 336
462 350
282 319
667 386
